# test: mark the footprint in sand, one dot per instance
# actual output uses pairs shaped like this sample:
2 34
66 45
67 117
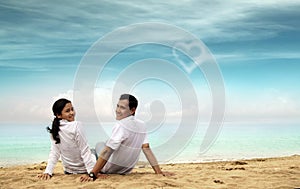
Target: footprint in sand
218 182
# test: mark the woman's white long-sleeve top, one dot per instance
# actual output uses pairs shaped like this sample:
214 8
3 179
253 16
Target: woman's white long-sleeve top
73 150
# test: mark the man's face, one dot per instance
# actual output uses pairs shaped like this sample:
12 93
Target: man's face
122 110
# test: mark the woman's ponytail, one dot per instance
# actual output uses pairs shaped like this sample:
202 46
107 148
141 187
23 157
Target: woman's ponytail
55 129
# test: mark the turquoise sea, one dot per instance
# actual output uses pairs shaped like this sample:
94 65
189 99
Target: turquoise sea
23 144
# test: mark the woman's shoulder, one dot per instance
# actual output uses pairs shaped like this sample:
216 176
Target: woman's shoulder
77 122
71 126
71 123
78 125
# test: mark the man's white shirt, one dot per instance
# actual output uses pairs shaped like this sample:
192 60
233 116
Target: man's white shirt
128 136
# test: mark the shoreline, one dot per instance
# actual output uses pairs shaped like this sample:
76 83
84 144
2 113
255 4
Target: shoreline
175 162
231 159
275 172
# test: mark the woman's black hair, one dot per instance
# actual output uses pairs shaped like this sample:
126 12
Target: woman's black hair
57 108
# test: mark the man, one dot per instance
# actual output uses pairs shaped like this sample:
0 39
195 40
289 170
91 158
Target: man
122 150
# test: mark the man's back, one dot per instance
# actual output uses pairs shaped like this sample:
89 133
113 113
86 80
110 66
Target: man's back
128 136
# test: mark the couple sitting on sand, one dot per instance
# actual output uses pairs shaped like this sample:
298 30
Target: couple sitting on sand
118 155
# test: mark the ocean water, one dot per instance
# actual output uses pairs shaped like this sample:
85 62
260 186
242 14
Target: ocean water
24 144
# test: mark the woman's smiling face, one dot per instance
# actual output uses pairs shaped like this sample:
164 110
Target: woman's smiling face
68 113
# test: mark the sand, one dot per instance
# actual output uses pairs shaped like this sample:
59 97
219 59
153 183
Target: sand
281 172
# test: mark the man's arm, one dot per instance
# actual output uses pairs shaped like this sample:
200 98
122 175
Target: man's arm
103 157
152 160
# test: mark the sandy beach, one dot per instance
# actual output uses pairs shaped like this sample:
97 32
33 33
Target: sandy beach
281 172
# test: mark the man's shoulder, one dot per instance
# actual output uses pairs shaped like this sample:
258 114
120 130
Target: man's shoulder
139 121
130 120
133 124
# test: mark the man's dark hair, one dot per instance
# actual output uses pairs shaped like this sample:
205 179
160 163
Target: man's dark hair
133 103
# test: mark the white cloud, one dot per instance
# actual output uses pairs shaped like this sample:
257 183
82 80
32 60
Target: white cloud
68 95
271 105
26 111
256 56
67 29
30 110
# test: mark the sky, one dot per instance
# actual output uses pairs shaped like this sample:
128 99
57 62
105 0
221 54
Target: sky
255 45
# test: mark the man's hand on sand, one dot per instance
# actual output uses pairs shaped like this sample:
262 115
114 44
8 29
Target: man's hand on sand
44 176
167 174
86 178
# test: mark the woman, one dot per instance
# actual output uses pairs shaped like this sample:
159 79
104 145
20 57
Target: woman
68 142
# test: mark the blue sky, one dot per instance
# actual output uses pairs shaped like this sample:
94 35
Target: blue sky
255 43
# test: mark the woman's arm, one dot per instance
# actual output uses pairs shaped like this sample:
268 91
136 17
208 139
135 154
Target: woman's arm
88 159
52 160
